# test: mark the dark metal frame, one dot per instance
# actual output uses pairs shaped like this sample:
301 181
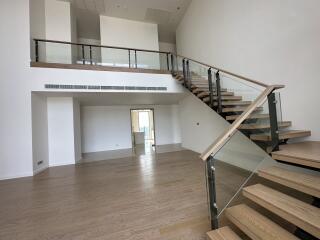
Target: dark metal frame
184 73
212 192
172 65
272 102
218 91
188 74
211 103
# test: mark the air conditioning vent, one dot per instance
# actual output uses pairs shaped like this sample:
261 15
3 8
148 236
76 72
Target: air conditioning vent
97 87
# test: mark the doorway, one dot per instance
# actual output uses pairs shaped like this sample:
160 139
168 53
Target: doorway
142 129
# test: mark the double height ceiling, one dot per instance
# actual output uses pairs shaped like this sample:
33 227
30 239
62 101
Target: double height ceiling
166 13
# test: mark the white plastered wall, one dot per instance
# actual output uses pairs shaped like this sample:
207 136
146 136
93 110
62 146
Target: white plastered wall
18 80
106 128
40 146
276 42
58 21
129 34
63 137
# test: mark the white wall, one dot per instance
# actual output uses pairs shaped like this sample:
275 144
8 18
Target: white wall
127 33
77 130
58 27
18 80
167 47
201 126
74 33
39 133
61 131
193 111
271 41
37 26
107 128
15 93
130 34
167 131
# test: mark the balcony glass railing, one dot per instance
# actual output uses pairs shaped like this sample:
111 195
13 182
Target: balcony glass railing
49 51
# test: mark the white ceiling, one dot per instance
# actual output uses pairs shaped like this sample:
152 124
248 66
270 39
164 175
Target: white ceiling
125 98
166 13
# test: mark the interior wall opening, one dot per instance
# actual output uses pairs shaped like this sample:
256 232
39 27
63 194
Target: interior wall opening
142 128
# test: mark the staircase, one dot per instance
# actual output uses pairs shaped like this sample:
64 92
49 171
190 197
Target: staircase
233 106
305 216
247 221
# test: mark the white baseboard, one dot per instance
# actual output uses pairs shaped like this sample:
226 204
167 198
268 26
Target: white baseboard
40 170
22 175
61 164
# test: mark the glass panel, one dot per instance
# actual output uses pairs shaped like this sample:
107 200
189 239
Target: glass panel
148 60
176 64
57 53
83 56
238 161
279 106
165 61
95 55
259 121
199 76
235 164
114 57
180 65
248 91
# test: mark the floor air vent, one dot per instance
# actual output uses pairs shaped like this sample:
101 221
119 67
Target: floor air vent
94 87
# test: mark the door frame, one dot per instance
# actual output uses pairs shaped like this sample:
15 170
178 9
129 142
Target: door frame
154 126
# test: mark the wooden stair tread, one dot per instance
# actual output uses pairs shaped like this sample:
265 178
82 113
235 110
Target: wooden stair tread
223 98
299 213
224 94
282 135
234 103
224 233
199 90
252 116
254 126
239 109
309 184
205 88
255 225
303 153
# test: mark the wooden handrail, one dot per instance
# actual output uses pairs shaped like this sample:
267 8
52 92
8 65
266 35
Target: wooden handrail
99 46
226 72
224 138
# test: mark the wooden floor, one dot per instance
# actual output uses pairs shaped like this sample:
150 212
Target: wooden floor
148 196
